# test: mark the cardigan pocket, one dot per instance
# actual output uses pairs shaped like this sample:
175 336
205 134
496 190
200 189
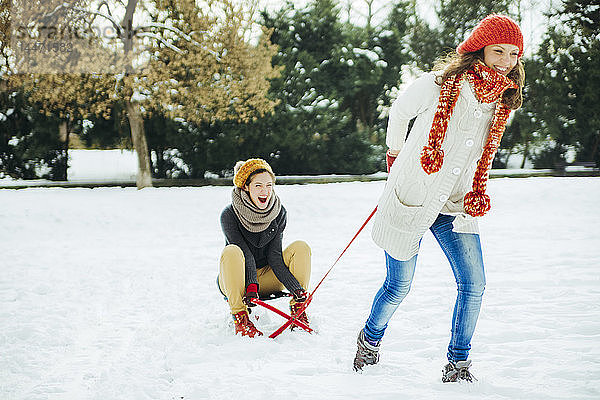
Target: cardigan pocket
412 192
402 216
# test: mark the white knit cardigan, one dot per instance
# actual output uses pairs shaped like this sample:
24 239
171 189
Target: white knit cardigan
412 200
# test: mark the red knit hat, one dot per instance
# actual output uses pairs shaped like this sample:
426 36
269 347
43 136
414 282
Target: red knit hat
493 29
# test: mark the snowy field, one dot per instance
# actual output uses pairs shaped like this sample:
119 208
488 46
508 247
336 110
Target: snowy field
100 165
110 294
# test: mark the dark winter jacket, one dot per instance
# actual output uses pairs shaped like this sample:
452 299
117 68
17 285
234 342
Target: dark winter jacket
260 248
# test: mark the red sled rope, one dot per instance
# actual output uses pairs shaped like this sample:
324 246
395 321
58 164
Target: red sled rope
293 319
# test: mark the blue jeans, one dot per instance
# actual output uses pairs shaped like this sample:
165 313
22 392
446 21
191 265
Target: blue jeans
463 251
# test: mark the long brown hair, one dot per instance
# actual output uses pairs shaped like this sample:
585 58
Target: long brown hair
454 64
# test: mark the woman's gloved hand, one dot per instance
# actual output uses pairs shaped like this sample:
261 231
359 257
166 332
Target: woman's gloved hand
251 293
390 158
300 295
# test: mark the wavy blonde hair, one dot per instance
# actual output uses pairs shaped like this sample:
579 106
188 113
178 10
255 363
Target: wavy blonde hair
454 64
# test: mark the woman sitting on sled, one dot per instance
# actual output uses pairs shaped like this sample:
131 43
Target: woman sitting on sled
253 261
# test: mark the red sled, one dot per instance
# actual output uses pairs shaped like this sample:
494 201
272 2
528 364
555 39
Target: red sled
293 319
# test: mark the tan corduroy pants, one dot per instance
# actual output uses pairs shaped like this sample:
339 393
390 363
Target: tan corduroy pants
232 274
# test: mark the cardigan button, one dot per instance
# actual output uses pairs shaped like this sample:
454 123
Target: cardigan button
444 198
469 142
478 113
456 170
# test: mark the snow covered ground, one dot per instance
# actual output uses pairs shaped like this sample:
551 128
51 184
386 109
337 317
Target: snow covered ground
110 294
101 165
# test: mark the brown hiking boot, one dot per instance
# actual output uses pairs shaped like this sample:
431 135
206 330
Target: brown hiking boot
457 371
244 326
366 354
302 317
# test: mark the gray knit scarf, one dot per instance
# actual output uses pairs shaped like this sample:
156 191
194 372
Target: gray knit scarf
253 218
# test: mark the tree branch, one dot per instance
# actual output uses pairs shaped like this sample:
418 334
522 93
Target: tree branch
104 3
161 40
172 29
127 24
108 17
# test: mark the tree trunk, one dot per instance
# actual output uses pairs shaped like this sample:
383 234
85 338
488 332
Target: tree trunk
136 123
525 153
507 157
127 25
64 133
161 163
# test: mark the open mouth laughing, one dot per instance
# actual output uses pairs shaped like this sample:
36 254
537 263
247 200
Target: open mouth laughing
502 70
263 199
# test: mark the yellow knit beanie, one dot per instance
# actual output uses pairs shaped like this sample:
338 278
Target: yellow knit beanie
243 169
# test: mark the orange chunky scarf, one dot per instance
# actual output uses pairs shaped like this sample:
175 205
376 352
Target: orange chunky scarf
489 86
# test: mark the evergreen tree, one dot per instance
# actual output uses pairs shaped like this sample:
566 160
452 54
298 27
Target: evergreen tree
13 120
107 131
563 101
392 40
583 18
30 146
69 98
335 83
312 129
329 101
